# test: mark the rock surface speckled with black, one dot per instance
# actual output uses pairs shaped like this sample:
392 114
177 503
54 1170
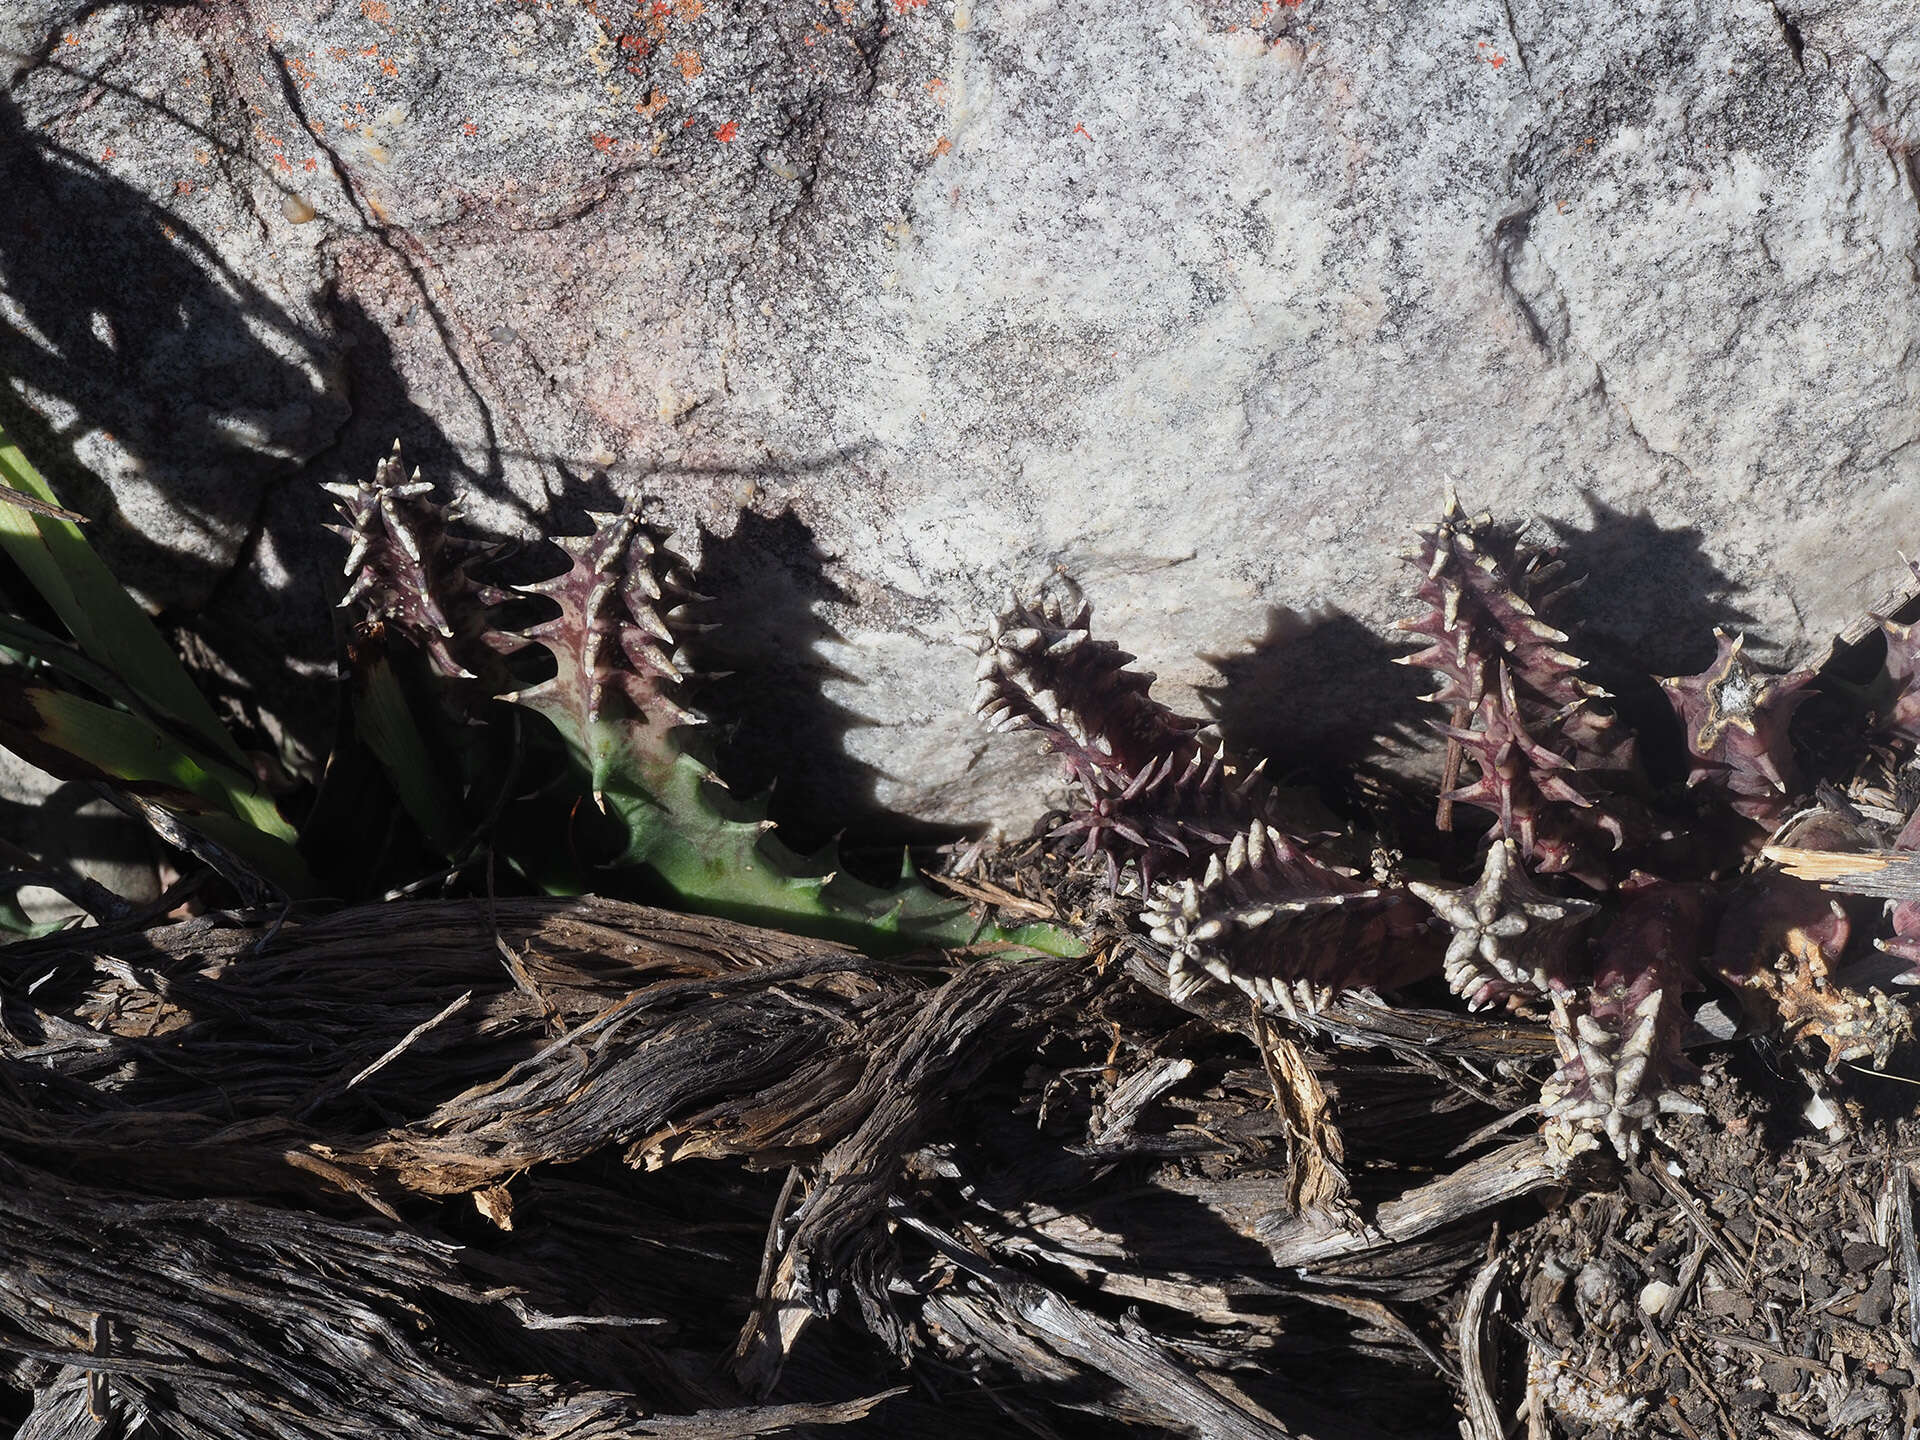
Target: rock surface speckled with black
1201 303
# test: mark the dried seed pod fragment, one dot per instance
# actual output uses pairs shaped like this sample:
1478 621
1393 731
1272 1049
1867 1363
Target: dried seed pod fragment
1512 941
1779 943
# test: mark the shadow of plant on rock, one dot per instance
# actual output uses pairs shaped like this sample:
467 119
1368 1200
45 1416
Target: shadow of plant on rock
108 291
772 728
1639 577
1318 692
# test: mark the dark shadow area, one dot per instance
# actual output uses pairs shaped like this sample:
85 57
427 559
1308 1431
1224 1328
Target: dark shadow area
771 728
129 319
1317 694
1652 595
1647 608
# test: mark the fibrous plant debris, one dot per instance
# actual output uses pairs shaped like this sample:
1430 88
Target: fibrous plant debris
675 1176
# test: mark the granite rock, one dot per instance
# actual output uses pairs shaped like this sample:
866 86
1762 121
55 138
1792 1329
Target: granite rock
1200 303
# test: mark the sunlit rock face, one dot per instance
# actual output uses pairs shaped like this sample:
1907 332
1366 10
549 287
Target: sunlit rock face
1200 303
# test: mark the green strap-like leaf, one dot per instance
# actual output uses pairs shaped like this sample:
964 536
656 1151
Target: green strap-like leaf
74 738
105 621
385 722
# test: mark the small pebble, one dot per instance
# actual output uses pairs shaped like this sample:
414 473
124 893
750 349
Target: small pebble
1654 1296
297 208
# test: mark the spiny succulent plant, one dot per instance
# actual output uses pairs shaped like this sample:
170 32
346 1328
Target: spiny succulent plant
407 570
1244 901
1547 755
1736 722
1513 942
1285 927
1150 787
617 701
1619 1042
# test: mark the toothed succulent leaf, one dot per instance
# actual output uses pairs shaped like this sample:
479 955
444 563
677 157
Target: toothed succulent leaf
617 699
1512 941
1150 785
1620 1046
1283 926
1736 720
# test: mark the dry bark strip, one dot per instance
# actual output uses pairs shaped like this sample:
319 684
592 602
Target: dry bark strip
342 1183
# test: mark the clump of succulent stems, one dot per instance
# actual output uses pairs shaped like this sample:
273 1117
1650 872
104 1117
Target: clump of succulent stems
1598 902
620 702
1595 900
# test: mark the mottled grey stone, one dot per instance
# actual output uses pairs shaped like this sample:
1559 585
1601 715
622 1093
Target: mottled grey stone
1201 303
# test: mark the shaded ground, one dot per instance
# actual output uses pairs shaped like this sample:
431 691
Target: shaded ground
1745 1282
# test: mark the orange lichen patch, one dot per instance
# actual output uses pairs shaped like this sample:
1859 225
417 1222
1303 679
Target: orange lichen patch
689 10
108 154
636 44
467 127
942 146
901 7
688 62
936 88
378 11
654 103
309 164
338 52
71 39
727 132
369 52
183 187
1082 130
603 143
387 67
